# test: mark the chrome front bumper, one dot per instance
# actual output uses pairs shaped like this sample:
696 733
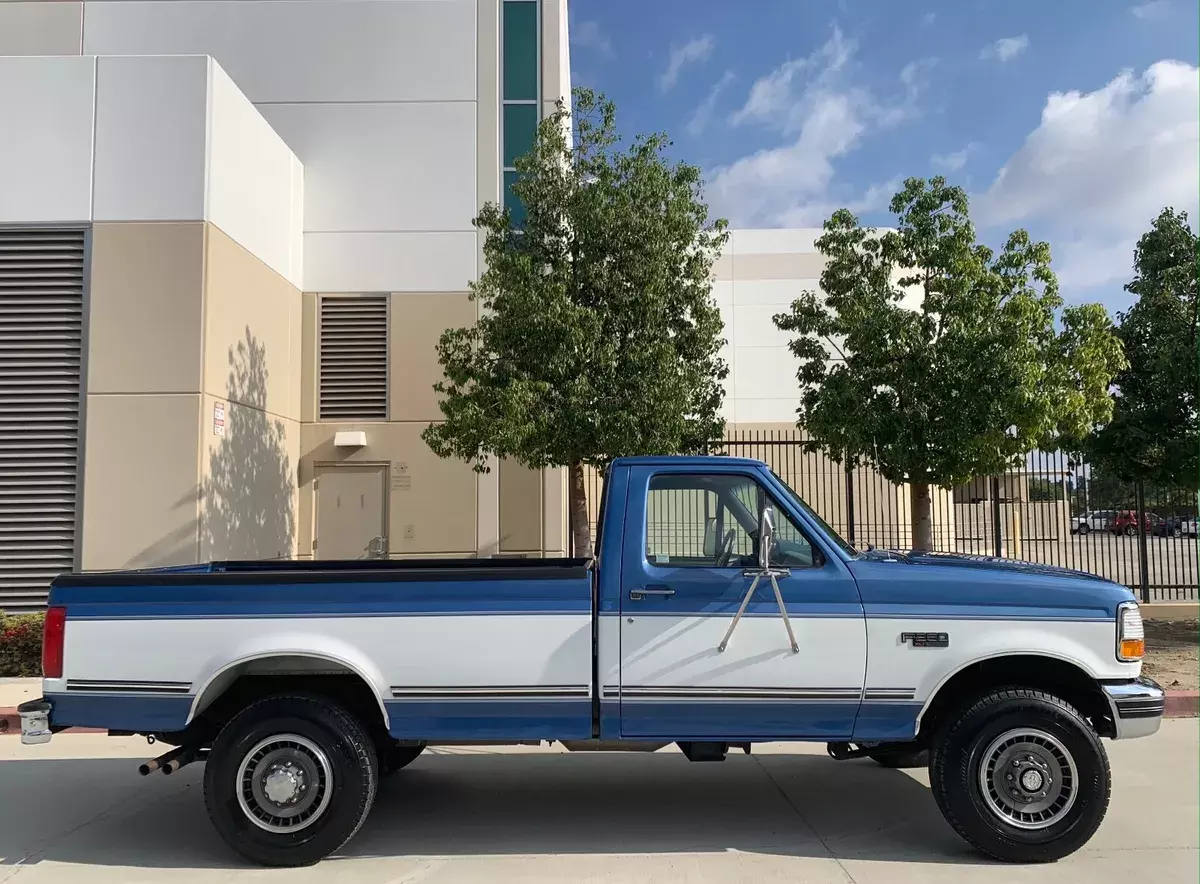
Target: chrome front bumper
1137 707
35 722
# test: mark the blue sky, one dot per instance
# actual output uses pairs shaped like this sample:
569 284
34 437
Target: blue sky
1075 119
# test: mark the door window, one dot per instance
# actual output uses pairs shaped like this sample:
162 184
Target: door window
711 521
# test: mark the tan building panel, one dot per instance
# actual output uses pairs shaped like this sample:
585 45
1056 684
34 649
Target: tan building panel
417 322
431 502
250 499
145 308
141 498
521 503
251 330
798 265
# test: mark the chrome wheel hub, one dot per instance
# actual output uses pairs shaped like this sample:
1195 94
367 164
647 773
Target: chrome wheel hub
284 783
1028 779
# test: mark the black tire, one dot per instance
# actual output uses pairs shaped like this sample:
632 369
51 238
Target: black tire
341 808
394 758
1130 531
956 769
900 757
1084 529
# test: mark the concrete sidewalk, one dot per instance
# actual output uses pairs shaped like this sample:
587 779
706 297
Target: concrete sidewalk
786 813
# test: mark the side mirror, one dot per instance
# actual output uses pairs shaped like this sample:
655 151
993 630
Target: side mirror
766 536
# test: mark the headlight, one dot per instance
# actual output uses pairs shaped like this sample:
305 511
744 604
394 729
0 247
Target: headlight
1131 634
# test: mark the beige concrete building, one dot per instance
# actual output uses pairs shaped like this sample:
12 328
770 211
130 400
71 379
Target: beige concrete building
230 233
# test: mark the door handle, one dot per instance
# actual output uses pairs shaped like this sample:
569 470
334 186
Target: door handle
639 594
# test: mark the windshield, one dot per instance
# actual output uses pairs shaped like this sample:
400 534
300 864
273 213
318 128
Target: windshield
833 535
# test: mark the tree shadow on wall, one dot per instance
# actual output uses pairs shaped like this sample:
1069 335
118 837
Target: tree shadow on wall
249 492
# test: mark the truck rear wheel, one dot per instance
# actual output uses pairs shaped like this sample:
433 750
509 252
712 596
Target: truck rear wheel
289 780
1021 776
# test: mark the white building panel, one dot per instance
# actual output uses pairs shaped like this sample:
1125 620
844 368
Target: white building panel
754 326
151 124
764 372
305 50
254 192
46 173
383 167
766 411
779 293
774 241
35 27
389 262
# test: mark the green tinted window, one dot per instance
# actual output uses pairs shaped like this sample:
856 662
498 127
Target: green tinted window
520 50
520 127
511 201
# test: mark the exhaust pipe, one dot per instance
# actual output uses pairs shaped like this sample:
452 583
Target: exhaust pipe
182 760
166 758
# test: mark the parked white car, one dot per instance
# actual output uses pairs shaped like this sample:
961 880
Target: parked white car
1094 520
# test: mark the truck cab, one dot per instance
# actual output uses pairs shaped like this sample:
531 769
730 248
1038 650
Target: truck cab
720 611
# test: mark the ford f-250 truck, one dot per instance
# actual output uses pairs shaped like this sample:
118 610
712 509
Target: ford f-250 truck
720 611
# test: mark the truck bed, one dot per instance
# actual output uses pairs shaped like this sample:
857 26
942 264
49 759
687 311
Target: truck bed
483 648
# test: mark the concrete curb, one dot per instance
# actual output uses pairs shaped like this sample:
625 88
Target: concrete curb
1180 704
1183 704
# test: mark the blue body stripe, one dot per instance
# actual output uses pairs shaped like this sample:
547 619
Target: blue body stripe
547 720
349 599
490 719
141 713
887 721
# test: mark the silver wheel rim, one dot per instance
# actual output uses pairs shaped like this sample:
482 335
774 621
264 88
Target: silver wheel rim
285 783
1028 779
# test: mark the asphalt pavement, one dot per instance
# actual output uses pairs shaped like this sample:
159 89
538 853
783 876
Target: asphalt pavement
76 810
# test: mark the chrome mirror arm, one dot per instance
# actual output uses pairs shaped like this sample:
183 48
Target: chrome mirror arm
758 574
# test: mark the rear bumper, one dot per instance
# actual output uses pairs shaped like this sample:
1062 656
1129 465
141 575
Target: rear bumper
1137 707
35 722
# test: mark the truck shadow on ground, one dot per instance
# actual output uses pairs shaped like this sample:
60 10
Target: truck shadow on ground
462 802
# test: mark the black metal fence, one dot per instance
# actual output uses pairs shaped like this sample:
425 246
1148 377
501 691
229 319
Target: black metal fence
1053 510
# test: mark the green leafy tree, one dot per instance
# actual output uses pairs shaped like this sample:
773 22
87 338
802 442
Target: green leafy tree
949 361
1154 435
598 335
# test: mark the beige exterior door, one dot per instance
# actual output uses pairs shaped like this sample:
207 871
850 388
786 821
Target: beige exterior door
351 512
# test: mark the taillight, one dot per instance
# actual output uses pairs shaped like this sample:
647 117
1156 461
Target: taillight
53 637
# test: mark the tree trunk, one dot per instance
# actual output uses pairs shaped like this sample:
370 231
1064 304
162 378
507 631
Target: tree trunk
581 529
921 507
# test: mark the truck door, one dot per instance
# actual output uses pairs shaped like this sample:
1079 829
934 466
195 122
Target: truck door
691 539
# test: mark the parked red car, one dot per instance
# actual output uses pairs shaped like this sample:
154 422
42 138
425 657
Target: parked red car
1125 522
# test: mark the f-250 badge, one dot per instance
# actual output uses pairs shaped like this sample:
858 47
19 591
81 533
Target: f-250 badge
926 639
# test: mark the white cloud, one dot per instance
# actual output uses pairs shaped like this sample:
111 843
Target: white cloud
703 114
824 114
952 162
780 99
692 52
1150 9
1100 166
589 35
1006 48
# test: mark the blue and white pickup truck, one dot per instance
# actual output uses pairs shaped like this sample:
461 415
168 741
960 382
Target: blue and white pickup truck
720 612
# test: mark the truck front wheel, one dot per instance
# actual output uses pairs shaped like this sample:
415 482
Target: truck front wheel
1021 776
290 779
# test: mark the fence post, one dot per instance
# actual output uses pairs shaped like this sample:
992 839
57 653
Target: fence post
997 541
849 503
1143 552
